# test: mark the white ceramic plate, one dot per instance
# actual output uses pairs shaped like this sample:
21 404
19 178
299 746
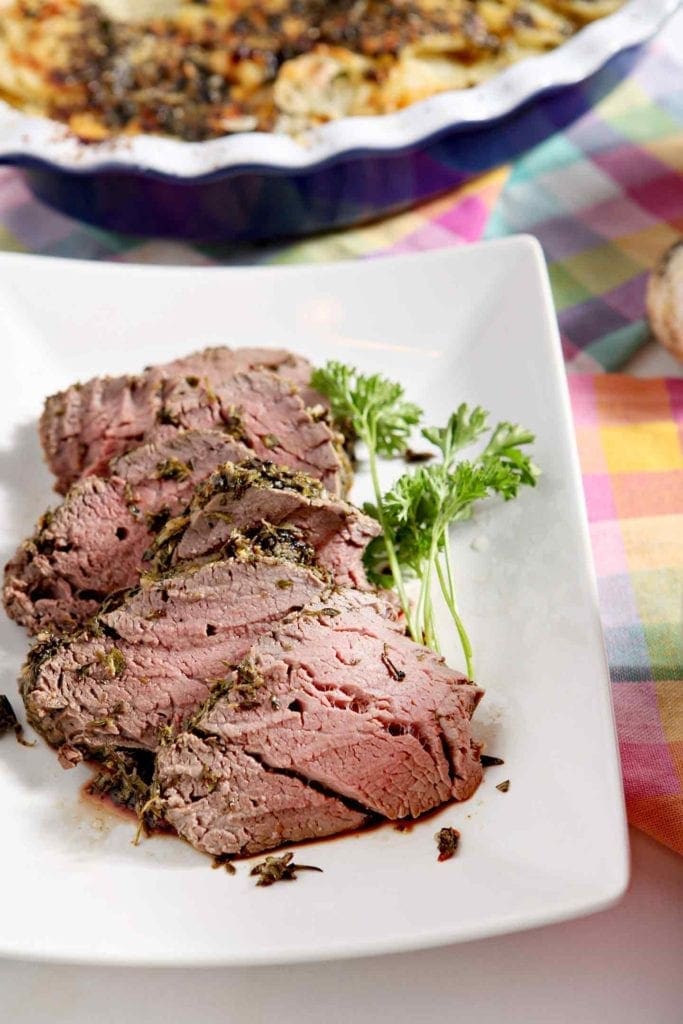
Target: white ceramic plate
475 324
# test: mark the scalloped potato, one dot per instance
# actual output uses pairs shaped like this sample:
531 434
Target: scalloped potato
198 69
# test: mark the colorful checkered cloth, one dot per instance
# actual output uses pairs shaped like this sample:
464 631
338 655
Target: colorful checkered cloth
630 437
604 198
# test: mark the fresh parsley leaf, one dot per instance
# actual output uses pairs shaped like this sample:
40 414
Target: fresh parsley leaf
375 407
464 427
378 413
505 450
417 512
377 568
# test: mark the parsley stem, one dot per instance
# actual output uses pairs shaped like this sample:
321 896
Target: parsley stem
448 591
390 549
431 628
424 619
420 625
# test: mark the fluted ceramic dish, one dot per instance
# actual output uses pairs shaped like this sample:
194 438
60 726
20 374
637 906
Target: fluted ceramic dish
474 324
255 186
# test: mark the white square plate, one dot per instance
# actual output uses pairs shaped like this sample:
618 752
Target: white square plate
477 325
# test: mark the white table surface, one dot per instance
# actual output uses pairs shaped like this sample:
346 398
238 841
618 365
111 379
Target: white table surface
622 966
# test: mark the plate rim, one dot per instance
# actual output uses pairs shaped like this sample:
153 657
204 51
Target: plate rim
363 949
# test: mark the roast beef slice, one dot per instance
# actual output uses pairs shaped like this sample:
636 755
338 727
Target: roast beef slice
227 802
238 496
268 415
94 542
151 660
84 427
343 701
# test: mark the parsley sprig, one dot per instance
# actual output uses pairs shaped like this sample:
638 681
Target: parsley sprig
419 509
417 512
382 418
375 407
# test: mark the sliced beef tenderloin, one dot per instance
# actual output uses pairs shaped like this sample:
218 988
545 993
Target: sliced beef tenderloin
93 544
238 496
151 659
338 698
164 473
84 427
219 363
227 802
268 415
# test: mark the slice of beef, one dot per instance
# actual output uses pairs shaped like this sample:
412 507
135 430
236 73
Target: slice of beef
87 425
219 363
268 415
238 496
338 698
151 659
93 543
227 802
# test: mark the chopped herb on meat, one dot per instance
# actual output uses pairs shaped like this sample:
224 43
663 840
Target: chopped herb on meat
246 684
123 776
115 662
172 469
320 613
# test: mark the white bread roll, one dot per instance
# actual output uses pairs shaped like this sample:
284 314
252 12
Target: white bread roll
664 300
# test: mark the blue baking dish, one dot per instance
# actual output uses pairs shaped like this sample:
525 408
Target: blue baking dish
253 187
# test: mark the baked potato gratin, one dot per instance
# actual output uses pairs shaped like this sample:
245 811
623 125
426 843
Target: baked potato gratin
199 69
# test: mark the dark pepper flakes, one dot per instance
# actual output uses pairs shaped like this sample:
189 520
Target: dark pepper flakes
223 861
447 841
410 455
396 673
9 721
279 869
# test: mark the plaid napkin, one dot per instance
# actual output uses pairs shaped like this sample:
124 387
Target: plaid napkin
604 198
630 437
